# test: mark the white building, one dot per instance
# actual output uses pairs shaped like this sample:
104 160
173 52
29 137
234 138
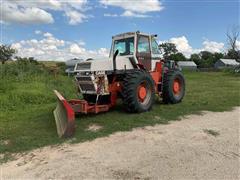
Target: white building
226 63
189 65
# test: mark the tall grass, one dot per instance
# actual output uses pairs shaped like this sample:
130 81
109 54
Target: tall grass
27 102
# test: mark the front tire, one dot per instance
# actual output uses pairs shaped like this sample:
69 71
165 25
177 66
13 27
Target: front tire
173 87
138 91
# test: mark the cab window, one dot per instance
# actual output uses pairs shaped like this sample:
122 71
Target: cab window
155 49
124 46
143 44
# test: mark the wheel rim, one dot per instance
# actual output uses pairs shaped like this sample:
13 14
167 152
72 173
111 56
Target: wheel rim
144 93
177 86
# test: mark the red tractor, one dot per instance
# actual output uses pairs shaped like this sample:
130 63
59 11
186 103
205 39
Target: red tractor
133 72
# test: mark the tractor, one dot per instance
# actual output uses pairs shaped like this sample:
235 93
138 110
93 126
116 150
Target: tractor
134 72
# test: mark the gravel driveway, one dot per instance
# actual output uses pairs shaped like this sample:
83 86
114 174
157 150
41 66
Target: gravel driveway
197 147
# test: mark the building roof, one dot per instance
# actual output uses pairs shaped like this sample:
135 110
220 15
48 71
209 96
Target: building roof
72 62
186 63
229 61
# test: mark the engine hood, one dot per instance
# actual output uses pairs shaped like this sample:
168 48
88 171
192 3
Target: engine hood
104 64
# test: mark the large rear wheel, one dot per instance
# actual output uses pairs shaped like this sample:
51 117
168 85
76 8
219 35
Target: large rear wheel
138 91
173 87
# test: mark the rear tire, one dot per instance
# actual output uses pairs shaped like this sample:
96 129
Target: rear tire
173 87
138 91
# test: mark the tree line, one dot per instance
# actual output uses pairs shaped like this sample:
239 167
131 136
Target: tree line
204 59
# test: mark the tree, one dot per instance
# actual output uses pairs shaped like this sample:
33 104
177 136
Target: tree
168 49
177 57
196 58
218 56
232 38
207 59
6 53
26 60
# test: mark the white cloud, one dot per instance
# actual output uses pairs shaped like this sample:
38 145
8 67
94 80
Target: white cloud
47 34
238 45
75 17
103 52
110 15
17 46
127 14
75 49
38 12
81 43
183 46
213 46
135 8
46 4
13 13
140 6
51 48
38 32
132 14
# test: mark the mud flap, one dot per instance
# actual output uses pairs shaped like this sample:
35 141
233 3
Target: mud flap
64 117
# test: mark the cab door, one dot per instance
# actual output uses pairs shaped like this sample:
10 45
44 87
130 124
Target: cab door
143 53
156 53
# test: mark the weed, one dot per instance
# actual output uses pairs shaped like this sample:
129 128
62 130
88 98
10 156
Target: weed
211 132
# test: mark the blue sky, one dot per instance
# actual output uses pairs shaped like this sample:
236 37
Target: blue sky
84 28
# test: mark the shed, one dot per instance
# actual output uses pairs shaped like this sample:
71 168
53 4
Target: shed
226 63
71 64
189 65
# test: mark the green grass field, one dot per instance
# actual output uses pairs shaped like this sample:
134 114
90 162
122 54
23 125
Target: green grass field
27 102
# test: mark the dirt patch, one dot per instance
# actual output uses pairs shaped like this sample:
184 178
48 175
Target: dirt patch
94 127
179 150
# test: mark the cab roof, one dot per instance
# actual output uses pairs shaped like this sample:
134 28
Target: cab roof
127 34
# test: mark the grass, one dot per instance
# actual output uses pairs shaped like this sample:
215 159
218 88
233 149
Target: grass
27 102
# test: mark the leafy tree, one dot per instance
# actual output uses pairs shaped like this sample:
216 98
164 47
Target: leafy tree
6 53
206 59
196 58
218 56
206 55
168 49
178 57
26 60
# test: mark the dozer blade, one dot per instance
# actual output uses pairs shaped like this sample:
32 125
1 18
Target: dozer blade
64 117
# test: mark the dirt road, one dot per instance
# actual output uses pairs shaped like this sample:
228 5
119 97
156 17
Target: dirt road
198 147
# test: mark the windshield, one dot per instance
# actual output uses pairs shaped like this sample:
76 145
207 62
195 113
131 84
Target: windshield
124 46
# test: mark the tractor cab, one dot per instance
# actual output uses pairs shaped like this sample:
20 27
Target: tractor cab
143 48
134 49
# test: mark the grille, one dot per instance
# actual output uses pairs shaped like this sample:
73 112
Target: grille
87 87
83 66
84 78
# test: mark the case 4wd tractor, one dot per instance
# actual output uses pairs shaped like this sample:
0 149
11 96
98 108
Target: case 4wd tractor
133 72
